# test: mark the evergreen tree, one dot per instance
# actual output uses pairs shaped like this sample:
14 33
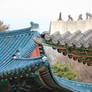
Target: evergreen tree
64 71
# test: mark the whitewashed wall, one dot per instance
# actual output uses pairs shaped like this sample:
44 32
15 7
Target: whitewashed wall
72 26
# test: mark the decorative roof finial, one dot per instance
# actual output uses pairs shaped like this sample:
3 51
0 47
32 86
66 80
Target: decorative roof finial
60 18
88 15
80 17
34 26
70 18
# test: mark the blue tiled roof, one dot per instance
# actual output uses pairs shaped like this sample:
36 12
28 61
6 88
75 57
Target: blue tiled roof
75 86
14 42
19 44
20 64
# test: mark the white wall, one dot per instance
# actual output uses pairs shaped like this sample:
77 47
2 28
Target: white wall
72 26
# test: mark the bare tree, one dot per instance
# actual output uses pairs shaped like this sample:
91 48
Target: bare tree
3 27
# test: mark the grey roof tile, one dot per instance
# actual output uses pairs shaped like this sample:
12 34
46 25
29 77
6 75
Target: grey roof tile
77 38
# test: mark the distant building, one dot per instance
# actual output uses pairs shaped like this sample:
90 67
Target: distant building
70 25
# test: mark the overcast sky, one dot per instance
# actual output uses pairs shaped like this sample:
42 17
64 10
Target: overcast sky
19 13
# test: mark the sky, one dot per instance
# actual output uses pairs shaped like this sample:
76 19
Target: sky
19 13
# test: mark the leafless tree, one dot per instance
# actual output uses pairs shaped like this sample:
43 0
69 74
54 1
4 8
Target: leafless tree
3 27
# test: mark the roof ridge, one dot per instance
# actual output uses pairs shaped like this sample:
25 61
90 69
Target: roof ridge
15 32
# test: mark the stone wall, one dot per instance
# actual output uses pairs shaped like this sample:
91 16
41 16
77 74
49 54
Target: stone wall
72 26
